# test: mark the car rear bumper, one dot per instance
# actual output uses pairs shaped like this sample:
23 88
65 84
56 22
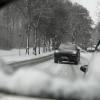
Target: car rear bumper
66 57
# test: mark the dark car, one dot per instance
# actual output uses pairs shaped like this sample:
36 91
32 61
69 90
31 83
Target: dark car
90 49
67 52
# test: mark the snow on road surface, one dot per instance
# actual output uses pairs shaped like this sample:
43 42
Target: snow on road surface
14 97
86 57
37 81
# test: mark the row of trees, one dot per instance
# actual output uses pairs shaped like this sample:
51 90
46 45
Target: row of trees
96 35
44 23
96 30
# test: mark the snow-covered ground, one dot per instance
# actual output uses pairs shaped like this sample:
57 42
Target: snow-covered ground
87 55
15 55
35 81
20 52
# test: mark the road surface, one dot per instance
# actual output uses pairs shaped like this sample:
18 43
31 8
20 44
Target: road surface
67 71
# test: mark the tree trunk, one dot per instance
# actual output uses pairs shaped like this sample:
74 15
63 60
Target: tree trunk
49 45
38 45
27 47
35 47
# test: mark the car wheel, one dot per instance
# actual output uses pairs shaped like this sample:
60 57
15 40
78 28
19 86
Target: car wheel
79 57
77 61
55 60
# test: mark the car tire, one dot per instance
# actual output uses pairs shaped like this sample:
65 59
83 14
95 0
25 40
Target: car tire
77 61
55 60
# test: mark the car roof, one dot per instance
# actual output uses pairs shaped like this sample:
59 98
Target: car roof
67 45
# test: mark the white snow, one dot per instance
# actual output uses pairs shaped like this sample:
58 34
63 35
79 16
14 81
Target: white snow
10 56
87 55
25 81
20 52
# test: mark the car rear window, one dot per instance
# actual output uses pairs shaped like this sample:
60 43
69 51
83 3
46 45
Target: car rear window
67 46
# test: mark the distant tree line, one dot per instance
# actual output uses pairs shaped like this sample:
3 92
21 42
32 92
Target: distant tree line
95 36
96 33
43 23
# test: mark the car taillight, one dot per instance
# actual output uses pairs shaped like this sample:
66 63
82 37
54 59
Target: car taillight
74 52
56 51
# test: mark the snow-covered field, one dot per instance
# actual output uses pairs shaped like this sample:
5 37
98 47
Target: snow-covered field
18 52
15 55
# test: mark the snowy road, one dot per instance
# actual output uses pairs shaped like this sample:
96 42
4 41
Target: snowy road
51 70
67 71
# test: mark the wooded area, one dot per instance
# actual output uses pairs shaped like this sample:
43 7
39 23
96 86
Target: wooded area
43 23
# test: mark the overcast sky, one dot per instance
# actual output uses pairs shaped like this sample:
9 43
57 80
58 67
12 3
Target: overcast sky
92 6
